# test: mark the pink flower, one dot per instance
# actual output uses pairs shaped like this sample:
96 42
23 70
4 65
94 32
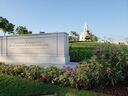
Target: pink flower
108 69
69 70
97 49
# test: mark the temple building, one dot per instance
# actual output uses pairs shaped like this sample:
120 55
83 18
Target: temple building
84 33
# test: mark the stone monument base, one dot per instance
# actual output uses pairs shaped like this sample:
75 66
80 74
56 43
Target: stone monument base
40 49
50 60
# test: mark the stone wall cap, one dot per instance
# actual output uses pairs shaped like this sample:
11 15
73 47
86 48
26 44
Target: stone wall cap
36 34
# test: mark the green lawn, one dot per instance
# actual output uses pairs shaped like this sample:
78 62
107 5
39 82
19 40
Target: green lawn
84 44
14 86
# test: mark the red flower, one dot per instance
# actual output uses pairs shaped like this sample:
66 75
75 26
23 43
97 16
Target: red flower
42 78
85 85
90 90
81 90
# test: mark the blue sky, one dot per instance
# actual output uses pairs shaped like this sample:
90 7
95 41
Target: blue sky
105 17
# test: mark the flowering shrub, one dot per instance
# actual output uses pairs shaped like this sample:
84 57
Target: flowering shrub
68 78
108 65
51 74
31 72
115 61
56 76
61 77
89 71
70 71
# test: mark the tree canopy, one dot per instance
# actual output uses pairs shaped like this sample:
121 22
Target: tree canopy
91 38
22 30
74 36
74 33
6 26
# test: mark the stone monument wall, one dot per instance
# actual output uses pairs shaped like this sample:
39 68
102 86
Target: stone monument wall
47 48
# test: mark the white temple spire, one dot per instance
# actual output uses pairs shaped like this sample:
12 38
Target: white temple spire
84 33
85 27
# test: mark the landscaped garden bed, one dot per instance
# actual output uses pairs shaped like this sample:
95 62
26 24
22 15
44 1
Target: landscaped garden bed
103 72
16 86
118 90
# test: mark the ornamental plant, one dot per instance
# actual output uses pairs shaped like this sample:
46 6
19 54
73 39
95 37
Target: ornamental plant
114 59
51 74
28 72
108 66
68 77
33 72
89 72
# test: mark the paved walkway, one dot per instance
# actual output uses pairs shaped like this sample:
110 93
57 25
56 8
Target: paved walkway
71 64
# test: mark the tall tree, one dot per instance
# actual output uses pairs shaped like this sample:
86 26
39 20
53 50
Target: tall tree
6 26
22 30
74 33
94 38
88 38
74 36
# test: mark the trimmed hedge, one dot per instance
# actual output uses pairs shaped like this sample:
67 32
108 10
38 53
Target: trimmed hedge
78 54
79 51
